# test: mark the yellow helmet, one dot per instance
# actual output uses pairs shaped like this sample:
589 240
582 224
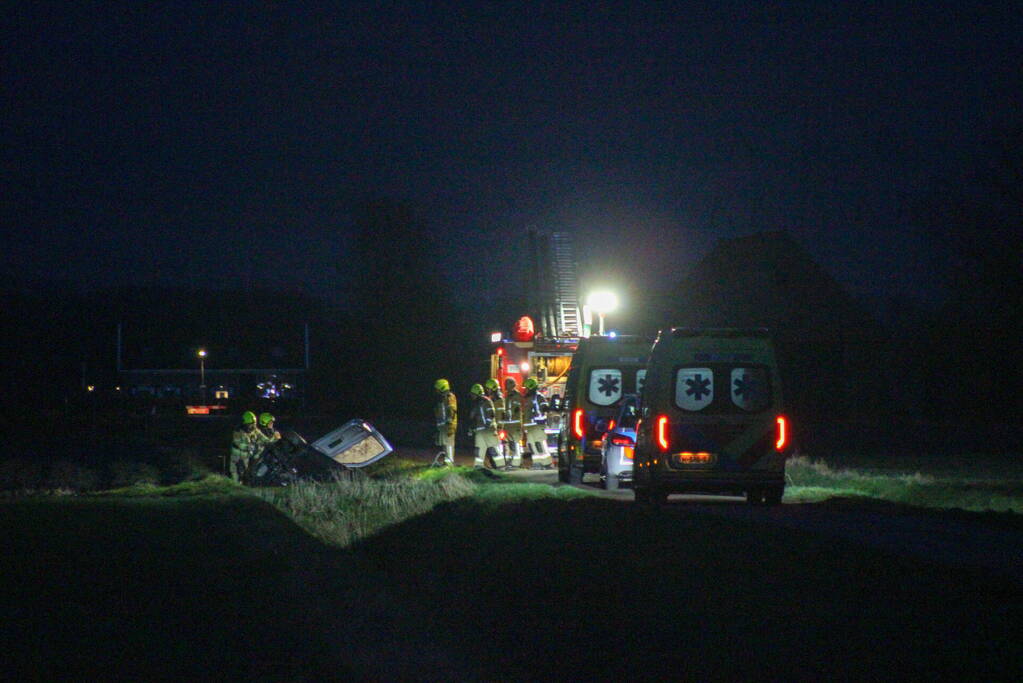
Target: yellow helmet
476 389
265 419
248 418
492 385
530 384
442 385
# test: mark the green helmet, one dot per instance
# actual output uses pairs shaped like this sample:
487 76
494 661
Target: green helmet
265 419
530 384
476 389
442 385
248 418
492 385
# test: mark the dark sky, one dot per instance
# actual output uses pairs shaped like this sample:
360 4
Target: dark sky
188 143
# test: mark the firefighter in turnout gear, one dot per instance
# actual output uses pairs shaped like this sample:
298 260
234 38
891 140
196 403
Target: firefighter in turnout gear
492 388
445 413
536 407
511 422
244 445
266 434
482 429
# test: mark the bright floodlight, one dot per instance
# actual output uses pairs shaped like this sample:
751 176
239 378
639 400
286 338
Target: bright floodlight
202 353
603 302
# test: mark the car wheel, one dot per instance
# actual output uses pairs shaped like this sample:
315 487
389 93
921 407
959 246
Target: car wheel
755 496
642 494
773 495
562 474
575 474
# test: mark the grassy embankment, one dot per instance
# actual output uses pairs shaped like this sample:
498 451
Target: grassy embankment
969 483
346 511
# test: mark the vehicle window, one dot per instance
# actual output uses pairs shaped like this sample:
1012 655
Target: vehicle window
629 415
694 388
750 388
605 386
640 379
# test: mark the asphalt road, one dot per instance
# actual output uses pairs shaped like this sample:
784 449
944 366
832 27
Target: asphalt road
991 541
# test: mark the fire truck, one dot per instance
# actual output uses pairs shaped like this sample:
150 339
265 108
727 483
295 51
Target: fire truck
544 351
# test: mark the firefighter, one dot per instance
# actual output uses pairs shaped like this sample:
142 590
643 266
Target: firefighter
482 428
511 423
445 413
536 407
244 445
266 434
493 390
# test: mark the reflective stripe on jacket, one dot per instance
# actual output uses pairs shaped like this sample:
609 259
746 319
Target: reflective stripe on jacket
482 415
445 412
537 407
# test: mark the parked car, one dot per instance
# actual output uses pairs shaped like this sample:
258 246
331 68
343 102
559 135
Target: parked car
617 451
712 418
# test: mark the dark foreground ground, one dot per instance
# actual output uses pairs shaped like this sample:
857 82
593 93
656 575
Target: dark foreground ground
225 586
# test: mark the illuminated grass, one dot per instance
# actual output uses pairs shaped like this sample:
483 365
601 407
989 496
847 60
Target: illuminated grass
969 489
349 510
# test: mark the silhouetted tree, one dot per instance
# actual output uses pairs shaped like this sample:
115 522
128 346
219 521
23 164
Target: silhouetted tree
408 331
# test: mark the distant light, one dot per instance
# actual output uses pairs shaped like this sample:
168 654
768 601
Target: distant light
500 351
117 388
495 337
202 353
612 334
91 387
525 367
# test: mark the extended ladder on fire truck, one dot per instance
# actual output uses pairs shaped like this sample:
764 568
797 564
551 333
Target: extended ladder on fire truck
556 297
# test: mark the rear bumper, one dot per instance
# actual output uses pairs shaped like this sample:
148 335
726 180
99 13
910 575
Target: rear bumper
713 481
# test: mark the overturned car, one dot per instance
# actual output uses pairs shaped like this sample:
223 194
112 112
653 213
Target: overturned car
292 459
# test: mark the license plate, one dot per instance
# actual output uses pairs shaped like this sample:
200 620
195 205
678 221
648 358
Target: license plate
690 458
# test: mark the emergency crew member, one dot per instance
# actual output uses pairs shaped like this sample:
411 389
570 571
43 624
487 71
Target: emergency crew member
536 407
266 434
445 413
511 423
244 445
482 428
493 390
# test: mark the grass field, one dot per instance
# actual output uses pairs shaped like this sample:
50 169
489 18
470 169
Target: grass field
974 483
425 574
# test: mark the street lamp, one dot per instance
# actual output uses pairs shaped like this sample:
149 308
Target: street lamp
602 302
202 373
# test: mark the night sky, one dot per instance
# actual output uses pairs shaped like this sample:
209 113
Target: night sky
213 144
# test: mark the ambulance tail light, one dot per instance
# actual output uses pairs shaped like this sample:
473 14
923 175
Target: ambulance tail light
662 433
577 423
782 433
